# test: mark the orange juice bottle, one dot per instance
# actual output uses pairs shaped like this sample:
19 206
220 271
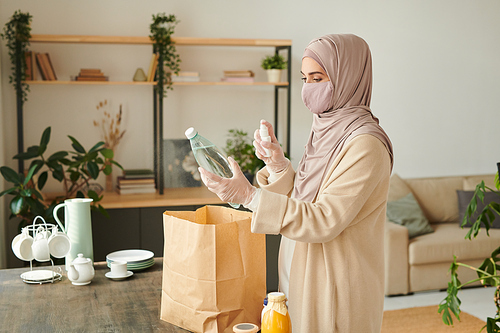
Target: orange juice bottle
275 316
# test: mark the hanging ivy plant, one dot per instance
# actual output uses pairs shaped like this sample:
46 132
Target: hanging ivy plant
162 29
17 32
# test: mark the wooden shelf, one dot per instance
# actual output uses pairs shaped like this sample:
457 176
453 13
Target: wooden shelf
188 196
91 82
194 41
153 83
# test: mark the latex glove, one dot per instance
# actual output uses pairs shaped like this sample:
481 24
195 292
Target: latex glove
235 190
277 162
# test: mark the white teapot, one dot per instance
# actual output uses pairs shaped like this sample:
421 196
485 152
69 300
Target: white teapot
81 271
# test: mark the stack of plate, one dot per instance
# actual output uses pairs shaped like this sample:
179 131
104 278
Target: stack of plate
40 276
136 259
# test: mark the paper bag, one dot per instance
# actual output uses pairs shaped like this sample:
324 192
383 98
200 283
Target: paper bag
214 270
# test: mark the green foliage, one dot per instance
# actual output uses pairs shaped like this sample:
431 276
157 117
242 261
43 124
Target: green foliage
488 272
74 169
17 32
239 146
162 29
274 62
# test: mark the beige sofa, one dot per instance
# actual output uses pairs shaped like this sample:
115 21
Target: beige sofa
423 262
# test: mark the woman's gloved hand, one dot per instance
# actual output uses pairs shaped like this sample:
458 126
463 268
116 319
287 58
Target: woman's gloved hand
277 162
236 189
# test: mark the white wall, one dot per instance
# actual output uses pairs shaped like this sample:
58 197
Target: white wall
436 74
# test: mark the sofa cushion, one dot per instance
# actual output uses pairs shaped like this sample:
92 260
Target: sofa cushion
464 198
447 240
437 197
397 188
407 212
470 182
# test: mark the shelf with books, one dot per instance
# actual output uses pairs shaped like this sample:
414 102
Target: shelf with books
278 45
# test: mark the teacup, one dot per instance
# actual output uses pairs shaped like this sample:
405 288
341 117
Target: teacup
59 244
40 246
118 268
21 245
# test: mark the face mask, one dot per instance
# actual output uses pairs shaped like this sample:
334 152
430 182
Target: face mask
317 96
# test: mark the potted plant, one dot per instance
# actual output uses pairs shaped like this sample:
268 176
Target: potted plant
238 145
162 29
74 169
489 272
273 66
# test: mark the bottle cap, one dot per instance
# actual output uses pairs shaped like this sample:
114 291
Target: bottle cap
190 133
263 130
276 297
245 328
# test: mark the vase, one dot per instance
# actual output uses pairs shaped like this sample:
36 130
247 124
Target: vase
109 183
274 75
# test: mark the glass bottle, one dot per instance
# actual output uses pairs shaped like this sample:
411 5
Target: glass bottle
209 157
275 316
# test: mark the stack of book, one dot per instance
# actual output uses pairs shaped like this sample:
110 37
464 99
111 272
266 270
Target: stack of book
87 74
136 181
238 76
186 77
44 66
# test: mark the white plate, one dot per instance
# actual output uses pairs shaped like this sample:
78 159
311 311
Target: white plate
112 277
39 276
131 256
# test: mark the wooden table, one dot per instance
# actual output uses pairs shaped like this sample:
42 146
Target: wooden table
130 305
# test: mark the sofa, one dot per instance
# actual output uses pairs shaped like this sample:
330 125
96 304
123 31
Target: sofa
422 262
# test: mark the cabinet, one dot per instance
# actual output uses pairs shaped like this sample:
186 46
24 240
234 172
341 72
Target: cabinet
277 44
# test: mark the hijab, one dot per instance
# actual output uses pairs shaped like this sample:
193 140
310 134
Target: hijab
346 59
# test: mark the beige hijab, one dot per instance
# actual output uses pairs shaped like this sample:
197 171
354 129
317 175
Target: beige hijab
347 61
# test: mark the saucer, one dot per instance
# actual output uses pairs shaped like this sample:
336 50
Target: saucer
112 277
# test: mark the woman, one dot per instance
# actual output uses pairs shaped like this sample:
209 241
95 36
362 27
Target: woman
331 211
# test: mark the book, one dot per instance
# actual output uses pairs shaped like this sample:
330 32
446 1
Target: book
188 74
50 68
41 67
135 181
237 79
239 73
88 78
154 66
136 191
151 63
138 173
176 78
28 58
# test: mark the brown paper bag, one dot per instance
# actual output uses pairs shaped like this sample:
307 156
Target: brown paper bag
214 270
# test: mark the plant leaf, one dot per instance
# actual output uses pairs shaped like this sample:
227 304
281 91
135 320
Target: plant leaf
16 205
31 152
42 179
10 175
107 153
117 164
93 169
8 191
76 145
108 169
93 195
44 141
29 175
57 156
103 211
96 146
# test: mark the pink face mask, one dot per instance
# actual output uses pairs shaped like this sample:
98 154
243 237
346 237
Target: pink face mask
317 96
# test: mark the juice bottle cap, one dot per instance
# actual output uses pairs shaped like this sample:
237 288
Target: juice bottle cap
190 133
245 328
276 297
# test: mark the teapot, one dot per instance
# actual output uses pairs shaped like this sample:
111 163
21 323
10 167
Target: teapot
81 271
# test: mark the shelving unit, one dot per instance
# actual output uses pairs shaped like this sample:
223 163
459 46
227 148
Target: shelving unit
277 44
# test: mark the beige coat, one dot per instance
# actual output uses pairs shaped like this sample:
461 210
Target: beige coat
337 272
